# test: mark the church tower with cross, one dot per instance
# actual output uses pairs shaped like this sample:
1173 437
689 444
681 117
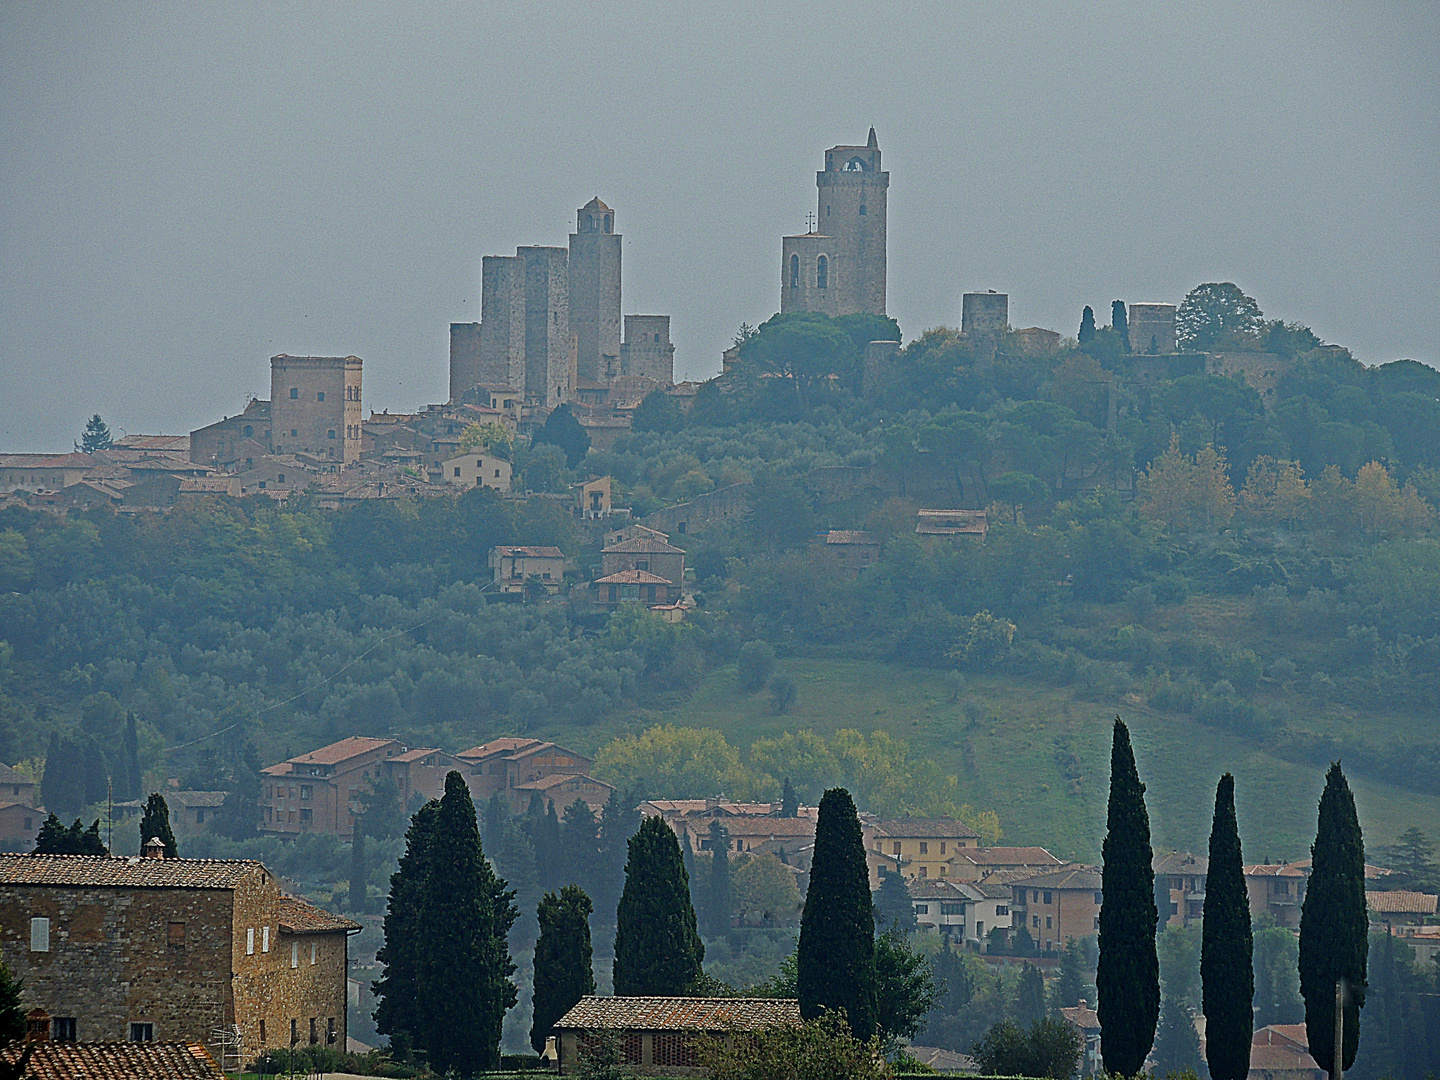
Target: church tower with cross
838 266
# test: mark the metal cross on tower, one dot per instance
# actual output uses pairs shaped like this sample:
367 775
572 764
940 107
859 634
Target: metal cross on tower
810 223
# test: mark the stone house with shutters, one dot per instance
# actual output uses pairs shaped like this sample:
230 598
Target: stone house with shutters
172 950
193 813
633 587
321 791
658 1035
522 766
645 553
516 564
15 786
472 470
924 847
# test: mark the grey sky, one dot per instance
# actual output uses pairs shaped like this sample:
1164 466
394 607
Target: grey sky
188 189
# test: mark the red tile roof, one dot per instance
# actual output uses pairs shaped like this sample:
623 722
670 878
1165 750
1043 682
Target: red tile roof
505 745
301 917
1082 1016
949 828
116 1061
545 783
1401 902
419 754
1074 876
134 872
632 577
341 751
530 551
1011 856
680 1014
641 545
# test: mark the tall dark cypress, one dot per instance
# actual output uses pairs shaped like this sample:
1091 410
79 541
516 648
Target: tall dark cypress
835 959
720 901
1227 973
580 847
128 781
789 800
359 871
1127 979
563 973
1087 325
548 866
397 1012
463 987
658 950
618 822
1334 924
1120 323
155 821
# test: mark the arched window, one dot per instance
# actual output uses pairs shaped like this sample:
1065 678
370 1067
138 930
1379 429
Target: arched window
855 164
862 209
609 223
794 271
822 272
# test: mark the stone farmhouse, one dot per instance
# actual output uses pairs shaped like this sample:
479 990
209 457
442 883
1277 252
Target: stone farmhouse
172 950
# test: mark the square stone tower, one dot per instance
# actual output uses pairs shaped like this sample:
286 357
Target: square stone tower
315 406
984 314
1152 328
838 267
595 292
647 350
525 335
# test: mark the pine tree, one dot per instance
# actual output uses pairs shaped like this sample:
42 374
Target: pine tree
359 872
1128 978
1087 326
397 1010
1177 1043
1120 323
789 801
128 781
580 846
463 987
894 905
657 948
12 1008
720 902
563 973
155 821
96 436
1029 996
1070 985
1334 924
1227 973
835 958
1412 857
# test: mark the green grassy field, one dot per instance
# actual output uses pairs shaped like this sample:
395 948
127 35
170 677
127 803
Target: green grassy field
1011 765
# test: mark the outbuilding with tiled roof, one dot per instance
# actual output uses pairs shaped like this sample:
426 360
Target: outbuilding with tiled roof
113 1061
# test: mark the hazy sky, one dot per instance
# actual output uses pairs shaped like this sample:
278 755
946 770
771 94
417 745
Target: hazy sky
188 189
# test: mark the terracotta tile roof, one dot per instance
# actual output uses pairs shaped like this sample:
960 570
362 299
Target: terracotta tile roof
47 461
545 783
13 776
767 826
419 754
1082 1016
1282 1034
1074 876
301 917
951 522
1401 902
530 551
1011 856
948 828
1280 1058
632 577
1286 870
506 745
204 799
133 872
340 751
641 545
937 889
680 1014
942 1060
1180 862
116 1061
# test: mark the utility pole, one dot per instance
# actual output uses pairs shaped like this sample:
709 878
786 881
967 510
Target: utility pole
1337 1070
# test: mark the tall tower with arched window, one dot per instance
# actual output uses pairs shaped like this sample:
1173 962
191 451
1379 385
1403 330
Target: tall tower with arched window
595 292
838 267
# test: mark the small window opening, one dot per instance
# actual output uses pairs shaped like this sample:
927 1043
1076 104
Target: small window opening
142 1033
822 272
794 271
294 393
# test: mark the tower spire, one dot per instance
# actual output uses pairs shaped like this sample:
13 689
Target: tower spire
871 144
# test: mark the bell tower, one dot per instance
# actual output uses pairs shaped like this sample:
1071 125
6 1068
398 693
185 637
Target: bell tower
595 292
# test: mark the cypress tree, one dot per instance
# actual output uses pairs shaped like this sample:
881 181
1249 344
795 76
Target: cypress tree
549 867
397 1012
497 817
1334 924
1227 972
618 823
514 859
129 778
1087 325
563 974
463 986
1127 980
657 948
789 801
720 901
835 958
1029 996
1120 323
155 821
580 846
893 904
359 871
1070 986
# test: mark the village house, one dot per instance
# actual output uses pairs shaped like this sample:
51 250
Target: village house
195 488
648 554
983 864
939 524
633 587
1087 1020
592 498
276 476
43 472
15 786
149 949
516 566
522 767
193 812
634 531
925 847
19 825
108 1060
1181 876
940 906
1276 889
1399 907
1282 1052
317 792
657 1035
847 551
1057 906
475 469
421 772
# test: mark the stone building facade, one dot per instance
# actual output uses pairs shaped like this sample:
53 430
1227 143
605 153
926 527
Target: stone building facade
646 351
984 315
595 292
525 335
645 553
838 267
1152 328
320 791
315 406
172 950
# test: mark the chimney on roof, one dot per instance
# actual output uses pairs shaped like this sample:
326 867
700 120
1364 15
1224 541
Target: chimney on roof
155 848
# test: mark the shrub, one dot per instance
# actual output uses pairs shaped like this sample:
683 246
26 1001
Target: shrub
756 662
1052 1048
782 693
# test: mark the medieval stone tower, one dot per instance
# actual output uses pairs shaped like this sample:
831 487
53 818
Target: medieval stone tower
595 292
838 267
315 406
